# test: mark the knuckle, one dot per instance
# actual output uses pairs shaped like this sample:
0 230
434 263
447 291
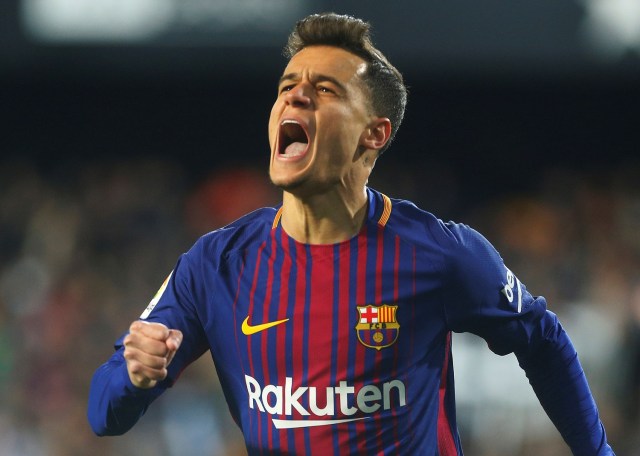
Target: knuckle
129 353
128 339
134 367
135 326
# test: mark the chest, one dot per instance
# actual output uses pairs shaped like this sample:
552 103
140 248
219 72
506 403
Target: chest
343 311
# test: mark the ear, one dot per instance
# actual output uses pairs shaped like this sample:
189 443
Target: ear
377 133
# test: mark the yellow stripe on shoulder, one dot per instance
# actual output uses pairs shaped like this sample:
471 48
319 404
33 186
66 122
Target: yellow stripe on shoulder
386 211
276 219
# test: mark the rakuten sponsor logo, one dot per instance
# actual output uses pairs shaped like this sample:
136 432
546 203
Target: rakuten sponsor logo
283 400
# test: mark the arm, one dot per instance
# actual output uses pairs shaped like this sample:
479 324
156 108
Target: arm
555 373
115 403
487 299
123 388
150 358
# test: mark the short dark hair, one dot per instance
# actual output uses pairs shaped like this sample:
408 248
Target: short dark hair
383 81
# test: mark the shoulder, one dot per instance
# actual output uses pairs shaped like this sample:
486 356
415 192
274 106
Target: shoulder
412 222
237 236
462 249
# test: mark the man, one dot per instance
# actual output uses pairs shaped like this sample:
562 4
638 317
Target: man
329 319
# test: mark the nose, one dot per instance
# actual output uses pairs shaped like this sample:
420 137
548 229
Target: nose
298 97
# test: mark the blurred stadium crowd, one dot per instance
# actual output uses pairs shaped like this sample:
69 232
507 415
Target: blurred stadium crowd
85 246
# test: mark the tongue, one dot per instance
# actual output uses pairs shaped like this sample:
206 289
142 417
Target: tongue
295 149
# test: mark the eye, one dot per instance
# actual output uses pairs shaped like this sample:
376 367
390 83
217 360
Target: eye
325 89
286 88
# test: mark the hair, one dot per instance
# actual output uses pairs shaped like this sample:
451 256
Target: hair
388 93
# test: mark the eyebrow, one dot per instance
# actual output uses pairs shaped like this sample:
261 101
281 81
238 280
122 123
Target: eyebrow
316 78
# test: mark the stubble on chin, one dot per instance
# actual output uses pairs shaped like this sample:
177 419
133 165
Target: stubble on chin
287 185
285 181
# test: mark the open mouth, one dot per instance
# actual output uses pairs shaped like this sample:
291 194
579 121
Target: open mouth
293 140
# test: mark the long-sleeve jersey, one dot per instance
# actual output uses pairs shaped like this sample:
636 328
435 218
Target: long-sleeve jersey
345 348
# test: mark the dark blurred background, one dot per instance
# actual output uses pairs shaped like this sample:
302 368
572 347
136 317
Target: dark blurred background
130 128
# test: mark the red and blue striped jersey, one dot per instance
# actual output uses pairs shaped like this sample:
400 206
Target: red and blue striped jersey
339 349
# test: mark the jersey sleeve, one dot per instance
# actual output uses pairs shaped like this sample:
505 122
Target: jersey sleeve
485 298
176 305
115 404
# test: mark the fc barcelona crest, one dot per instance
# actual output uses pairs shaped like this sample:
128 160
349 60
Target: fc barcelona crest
377 326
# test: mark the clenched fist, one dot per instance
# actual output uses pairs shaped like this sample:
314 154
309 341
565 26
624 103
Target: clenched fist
148 350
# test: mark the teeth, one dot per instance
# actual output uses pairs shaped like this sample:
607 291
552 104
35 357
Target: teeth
289 121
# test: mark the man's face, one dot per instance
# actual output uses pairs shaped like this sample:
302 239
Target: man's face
317 121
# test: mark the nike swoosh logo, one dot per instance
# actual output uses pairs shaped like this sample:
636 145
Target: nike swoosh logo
248 329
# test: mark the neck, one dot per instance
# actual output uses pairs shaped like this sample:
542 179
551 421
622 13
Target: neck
324 219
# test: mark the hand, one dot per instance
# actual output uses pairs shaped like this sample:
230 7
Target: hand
148 350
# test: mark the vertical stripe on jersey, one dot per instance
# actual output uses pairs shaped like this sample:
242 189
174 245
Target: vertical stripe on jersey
268 337
291 303
300 333
394 368
446 442
308 264
413 315
256 313
360 352
283 332
321 320
353 346
340 295
236 325
378 245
